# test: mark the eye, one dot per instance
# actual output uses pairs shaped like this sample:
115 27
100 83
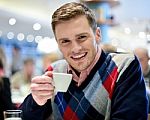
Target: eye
82 37
64 42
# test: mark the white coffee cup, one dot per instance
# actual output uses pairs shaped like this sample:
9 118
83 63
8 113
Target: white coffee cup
61 81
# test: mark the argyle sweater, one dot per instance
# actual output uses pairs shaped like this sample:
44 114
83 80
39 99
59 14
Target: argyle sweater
114 90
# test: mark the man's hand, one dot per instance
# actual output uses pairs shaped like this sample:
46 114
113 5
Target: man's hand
42 88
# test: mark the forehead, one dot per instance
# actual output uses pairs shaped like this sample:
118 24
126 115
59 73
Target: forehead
80 19
77 24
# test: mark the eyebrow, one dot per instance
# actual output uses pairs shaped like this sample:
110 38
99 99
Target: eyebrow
62 39
85 33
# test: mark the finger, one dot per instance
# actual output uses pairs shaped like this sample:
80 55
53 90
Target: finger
50 68
43 93
42 79
39 86
49 73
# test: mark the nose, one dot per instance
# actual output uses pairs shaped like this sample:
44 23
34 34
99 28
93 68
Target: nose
76 47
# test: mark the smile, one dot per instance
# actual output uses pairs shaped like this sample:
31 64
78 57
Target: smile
77 57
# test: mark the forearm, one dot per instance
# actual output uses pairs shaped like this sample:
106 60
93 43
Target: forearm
32 111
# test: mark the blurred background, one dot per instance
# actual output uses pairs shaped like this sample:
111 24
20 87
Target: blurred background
25 24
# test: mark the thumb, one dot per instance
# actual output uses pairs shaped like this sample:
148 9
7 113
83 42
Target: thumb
48 71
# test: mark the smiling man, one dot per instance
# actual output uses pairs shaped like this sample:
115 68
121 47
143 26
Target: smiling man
104 85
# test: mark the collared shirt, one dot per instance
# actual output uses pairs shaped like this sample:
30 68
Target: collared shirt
79 79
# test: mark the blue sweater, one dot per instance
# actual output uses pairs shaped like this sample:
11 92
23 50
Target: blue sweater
114 90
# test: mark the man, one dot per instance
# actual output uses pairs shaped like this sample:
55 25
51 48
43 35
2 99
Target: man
5 92
104 86
16 59
21 80
142 54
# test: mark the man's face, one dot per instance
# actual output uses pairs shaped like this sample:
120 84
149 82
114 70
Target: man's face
77 42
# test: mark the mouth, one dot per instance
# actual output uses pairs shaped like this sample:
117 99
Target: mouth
79 56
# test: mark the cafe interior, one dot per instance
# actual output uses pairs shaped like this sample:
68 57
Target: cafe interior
25 24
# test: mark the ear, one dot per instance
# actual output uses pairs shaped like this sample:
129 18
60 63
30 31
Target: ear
98 35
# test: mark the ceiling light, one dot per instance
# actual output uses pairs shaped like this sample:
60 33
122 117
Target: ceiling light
30 38
37 26
12 21
38 38
20 36
10 35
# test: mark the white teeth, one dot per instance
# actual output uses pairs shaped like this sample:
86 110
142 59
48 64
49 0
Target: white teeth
79 56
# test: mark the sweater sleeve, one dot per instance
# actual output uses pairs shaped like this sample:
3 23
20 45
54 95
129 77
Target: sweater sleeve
32 111
129 101
6 94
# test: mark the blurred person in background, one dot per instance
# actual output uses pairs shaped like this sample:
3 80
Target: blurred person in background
5 92
108 48
48 59
104 86
16 63
142 54
20 81
3 58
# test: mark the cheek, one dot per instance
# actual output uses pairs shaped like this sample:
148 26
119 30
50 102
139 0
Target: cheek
64 50
92 42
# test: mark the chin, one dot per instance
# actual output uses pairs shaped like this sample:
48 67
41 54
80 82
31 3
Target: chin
82 68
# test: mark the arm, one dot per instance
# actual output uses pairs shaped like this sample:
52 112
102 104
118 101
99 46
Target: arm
37 106
33 111
129 101
7 102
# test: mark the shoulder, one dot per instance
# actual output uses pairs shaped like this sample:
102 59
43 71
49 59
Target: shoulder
122 56
123 59
17 76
